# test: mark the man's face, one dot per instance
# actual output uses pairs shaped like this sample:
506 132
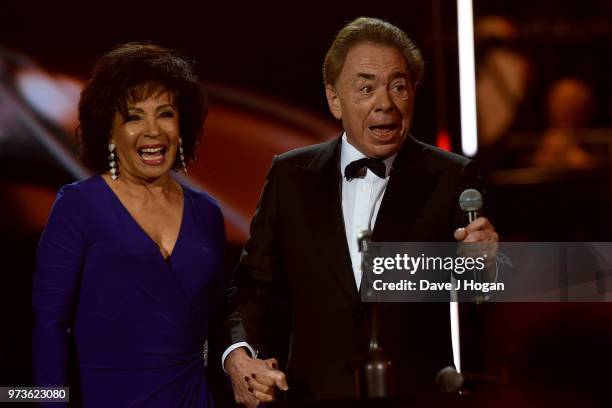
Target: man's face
374 98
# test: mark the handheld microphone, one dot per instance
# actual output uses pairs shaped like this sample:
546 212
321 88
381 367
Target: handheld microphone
470 202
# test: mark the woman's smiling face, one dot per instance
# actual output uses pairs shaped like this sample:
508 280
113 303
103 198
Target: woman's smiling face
147 138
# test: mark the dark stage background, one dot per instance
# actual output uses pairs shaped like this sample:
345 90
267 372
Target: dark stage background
261 66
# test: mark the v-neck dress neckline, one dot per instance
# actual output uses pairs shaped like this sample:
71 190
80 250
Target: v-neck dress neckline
142 230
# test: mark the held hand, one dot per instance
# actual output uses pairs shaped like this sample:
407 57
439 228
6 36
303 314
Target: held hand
253 379
479 231
263 384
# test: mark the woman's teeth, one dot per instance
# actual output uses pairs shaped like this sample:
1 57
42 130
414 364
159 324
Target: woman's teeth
152 152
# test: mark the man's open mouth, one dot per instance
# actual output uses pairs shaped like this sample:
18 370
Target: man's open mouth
384 129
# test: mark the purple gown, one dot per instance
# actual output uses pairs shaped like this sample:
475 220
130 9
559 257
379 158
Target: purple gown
139 321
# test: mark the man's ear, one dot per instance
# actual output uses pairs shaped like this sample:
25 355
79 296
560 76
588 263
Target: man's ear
333 101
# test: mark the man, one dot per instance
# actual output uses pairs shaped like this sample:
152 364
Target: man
300 269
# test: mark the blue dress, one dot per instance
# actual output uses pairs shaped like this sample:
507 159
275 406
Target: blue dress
139 321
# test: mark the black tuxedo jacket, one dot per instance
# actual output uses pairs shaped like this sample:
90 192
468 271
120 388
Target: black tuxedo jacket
294 295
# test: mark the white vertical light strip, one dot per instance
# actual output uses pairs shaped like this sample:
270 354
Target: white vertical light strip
467 78
469 131
454 323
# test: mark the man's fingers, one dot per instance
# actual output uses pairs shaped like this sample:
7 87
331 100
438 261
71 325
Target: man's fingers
280 380
479 223
251 402
264 377
258 386
460 234
263 397
482 236
244 396
479 230
272 363
273 378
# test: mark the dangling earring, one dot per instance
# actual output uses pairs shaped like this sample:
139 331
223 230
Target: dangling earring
181 155
112 163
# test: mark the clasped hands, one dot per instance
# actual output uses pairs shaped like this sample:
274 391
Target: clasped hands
254 380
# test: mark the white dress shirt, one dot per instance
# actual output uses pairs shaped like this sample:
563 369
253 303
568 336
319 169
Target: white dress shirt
361 198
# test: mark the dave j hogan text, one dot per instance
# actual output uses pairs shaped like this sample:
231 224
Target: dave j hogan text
425 285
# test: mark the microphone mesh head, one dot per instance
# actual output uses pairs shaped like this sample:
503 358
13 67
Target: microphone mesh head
470 200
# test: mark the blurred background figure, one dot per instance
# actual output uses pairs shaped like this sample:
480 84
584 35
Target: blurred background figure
503 75
570 105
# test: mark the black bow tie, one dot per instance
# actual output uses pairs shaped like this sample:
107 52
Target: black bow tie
376 165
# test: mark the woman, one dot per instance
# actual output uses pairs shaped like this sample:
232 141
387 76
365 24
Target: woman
130 261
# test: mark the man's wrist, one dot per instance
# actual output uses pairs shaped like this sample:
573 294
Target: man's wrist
246 347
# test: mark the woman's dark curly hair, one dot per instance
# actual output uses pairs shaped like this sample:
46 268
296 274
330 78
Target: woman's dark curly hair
130 73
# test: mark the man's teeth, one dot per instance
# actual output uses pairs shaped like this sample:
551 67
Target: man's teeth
383 129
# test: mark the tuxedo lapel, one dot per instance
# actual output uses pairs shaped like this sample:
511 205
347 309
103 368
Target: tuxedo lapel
410 185
322 186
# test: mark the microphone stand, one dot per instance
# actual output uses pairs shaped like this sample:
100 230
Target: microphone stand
375 372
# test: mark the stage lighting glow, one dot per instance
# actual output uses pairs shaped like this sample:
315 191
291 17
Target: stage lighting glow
55 98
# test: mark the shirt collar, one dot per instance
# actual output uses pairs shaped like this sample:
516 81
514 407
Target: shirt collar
349 153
